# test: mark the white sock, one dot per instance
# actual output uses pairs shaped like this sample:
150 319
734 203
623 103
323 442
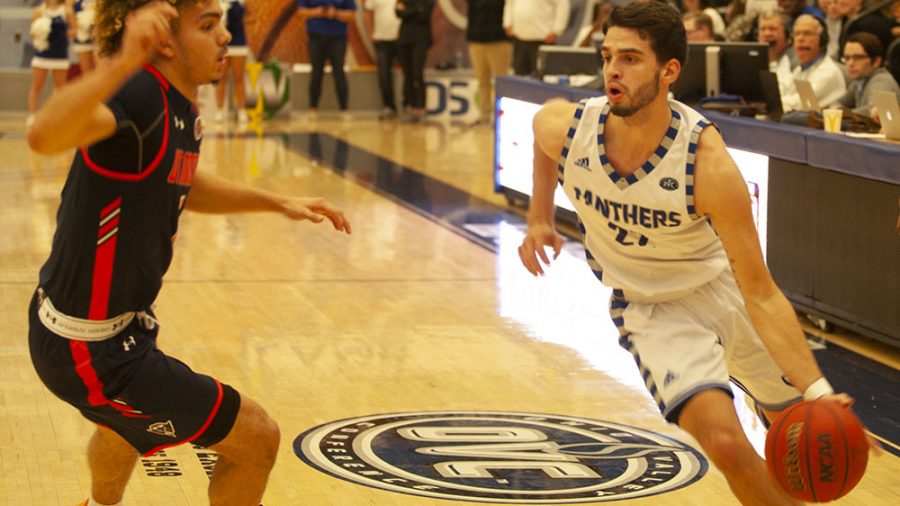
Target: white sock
93 502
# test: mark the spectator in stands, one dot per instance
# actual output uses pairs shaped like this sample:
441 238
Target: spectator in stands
895 17
532 23
703 6
826 77
773 29
794 8
384 28
412 46
594 36
489 50
834 23
856 20
235 61
52 25
326 29
698 27
742 24
863 56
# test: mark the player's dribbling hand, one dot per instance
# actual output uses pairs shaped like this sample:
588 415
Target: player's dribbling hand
533 247
315 209
846 401
147 30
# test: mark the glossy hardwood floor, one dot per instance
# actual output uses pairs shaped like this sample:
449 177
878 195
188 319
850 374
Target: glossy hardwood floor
405 315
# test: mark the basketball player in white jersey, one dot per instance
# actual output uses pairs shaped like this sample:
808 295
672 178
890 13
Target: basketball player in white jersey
667 224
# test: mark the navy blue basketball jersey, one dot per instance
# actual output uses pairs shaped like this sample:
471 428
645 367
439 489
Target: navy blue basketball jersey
121 202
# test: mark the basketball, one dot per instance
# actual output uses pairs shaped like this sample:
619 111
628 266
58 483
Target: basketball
817 451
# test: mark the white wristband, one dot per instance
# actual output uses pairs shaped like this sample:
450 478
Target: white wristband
817 389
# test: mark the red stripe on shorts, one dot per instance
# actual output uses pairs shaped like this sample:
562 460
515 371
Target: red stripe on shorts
81 355
209 419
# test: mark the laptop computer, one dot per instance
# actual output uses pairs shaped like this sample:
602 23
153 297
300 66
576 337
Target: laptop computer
771 94
808 100
888 113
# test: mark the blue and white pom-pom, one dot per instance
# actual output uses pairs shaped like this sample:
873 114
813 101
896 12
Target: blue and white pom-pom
84 20
40 33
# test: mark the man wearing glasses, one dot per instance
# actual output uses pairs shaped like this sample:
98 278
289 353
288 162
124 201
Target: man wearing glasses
863 57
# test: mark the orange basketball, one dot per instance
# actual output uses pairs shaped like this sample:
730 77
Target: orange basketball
817 451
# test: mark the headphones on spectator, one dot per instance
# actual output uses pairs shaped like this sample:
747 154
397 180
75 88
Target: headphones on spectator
823 37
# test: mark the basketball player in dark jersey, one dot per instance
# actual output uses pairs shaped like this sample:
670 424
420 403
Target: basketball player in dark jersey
92 333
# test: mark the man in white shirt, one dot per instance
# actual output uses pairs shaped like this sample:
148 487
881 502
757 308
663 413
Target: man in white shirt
773 28
383 26
532 23
810 41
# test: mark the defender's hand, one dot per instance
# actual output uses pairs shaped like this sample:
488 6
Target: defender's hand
315 209
147 30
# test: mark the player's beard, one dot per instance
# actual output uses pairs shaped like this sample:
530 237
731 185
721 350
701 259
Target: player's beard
643 95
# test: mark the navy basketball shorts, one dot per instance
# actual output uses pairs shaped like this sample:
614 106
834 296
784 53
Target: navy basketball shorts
125 383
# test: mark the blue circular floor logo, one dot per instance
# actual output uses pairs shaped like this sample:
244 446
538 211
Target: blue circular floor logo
501 457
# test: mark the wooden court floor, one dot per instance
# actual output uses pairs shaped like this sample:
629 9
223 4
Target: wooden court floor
404 316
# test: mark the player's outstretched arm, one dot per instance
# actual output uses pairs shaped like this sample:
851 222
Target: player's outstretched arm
76 114
550 126
216 195
721 193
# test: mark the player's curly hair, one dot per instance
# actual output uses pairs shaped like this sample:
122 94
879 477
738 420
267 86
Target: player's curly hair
109 21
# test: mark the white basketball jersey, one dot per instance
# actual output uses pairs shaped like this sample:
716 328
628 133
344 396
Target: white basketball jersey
641 233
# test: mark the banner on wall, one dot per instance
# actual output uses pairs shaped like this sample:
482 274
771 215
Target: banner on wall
268 89
452 98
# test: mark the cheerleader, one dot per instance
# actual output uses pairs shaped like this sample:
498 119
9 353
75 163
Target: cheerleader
51 28
83 43
235 60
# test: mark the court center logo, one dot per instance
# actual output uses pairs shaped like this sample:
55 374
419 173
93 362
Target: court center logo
497 457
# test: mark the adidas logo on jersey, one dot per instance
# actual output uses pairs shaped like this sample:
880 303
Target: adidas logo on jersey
670 377
584 163
179 123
